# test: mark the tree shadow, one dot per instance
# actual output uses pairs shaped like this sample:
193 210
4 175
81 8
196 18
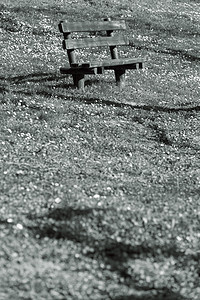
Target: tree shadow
174 52
34 9
160 133
68 223
111 248
163 295
153 108
42 77
55 9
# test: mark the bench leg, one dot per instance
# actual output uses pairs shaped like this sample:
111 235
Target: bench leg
79 81
120 78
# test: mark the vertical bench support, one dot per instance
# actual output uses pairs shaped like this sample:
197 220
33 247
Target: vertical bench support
119 74
78 79
120 78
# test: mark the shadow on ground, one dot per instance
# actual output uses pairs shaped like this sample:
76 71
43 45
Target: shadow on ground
33 77
174 52
166 295
48 77
54 80
68 223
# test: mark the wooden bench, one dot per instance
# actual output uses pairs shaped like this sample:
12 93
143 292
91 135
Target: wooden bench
110 38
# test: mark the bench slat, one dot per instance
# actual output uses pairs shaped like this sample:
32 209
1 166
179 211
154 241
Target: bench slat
132 66
111 62
66 27
95 42
89 71
98 67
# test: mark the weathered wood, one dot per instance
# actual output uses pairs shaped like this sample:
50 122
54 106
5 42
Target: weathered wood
119 65
89 71
120 78
66 26
80 81
119 74
71 56
133 66
113 49
95 42
109 63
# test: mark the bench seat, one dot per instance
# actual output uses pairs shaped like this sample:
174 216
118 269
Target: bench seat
98 67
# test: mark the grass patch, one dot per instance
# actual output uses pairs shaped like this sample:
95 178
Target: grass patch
100 190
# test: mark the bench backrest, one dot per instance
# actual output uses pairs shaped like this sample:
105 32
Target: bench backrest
111 40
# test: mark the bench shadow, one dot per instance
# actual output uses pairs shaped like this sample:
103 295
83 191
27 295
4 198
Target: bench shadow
42 77
68 223
33 77
47 77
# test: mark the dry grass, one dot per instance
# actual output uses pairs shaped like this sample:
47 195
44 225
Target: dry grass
100 190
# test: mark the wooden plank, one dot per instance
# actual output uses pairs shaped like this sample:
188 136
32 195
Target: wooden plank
120 78
100 69
113 49
92 71
65 26
133 66
111 62
95 42
80 81
75 65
